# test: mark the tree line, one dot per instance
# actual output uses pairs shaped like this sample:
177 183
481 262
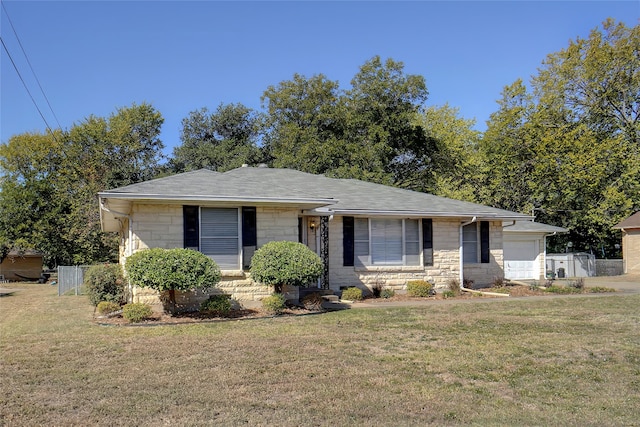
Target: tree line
564 147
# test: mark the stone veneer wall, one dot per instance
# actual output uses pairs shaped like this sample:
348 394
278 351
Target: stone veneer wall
446 260
161 226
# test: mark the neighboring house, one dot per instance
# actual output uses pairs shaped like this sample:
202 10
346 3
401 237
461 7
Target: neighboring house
365 233
20 266
630 228
524 247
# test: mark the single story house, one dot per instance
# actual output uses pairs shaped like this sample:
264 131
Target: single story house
365 233
21 265
630 228
524 246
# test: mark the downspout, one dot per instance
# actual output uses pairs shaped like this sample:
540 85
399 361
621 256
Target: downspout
462 288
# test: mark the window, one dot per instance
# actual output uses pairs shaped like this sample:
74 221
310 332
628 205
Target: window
386 241
470 243
219 236
221 233
475 241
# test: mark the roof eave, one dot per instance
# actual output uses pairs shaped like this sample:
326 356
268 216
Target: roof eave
480 216
297 201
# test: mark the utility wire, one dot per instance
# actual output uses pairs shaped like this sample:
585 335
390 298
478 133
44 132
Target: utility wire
30 67
25 85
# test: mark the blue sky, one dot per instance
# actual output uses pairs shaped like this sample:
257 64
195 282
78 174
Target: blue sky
92 57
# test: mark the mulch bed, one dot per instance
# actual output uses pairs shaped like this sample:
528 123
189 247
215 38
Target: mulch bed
203 317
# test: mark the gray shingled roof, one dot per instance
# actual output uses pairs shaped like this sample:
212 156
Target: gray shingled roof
330 195
532 227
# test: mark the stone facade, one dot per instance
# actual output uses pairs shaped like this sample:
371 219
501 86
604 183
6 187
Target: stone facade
158 225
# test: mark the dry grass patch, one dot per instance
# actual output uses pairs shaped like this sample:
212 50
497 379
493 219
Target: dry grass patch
568 360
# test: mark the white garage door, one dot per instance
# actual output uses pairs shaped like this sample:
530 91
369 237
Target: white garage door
520 259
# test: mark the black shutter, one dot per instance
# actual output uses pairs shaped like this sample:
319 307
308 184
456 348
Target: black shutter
191 225
249 229
484 242
347 241
249 235
427 241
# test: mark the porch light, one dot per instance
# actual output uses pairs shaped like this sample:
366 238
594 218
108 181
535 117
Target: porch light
312 225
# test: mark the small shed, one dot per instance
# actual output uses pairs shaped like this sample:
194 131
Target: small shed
524 249
571 264
21 265
630 228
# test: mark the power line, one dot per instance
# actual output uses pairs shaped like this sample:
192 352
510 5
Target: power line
25 85
32 71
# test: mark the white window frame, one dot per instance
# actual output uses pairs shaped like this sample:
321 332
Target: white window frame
466 242
238 264
362 259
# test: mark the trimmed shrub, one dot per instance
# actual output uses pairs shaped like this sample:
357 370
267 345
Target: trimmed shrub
136 312
285 263
419 288
106 307
313 301
219 304
352 294
274 304
171 270
104 282
387 293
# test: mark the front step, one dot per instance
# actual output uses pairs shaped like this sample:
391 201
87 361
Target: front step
331 298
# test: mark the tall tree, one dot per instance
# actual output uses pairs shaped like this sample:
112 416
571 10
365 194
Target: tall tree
367 132
570 149
382 105
50 182
455 161
597 79
305 124
218 141
508 151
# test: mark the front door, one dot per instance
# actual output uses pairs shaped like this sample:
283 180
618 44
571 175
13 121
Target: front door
309 234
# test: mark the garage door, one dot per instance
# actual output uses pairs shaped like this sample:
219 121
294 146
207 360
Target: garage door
520 259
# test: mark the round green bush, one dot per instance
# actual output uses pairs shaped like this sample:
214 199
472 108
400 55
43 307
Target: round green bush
136 312
172 269
218 304
352 294
104 282
285 263
105 307
274 304
419 288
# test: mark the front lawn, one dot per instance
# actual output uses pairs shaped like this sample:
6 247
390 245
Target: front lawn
567 360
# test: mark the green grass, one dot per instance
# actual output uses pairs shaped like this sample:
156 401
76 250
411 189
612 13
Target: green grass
571 360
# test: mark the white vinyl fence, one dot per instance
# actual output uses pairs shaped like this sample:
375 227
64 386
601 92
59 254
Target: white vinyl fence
71 278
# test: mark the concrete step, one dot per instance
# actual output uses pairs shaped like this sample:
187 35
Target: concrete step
332 298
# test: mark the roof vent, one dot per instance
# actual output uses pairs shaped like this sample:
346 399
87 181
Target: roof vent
263 165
